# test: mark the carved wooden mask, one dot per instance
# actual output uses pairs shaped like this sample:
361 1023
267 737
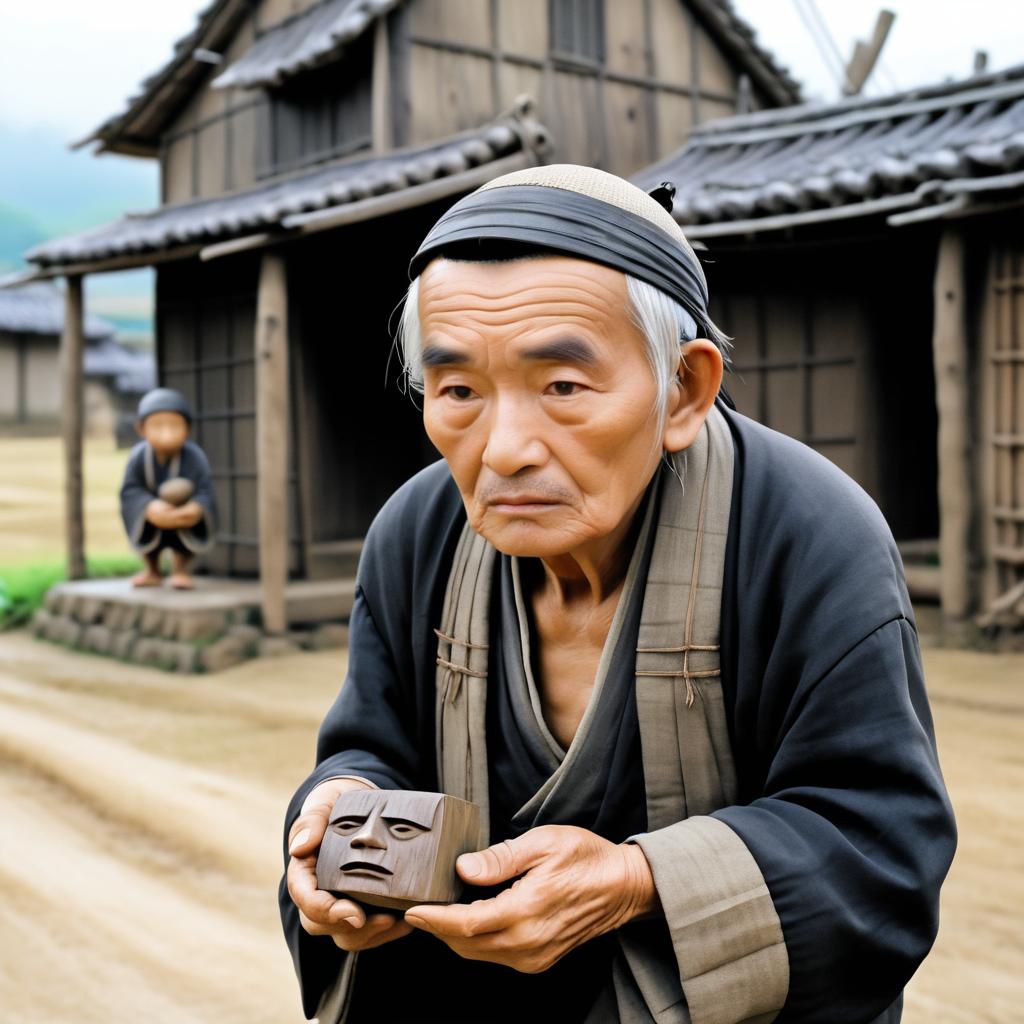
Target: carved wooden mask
396 848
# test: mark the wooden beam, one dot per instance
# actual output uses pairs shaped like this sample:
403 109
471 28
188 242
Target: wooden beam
952 399
272 421
72 343
380 92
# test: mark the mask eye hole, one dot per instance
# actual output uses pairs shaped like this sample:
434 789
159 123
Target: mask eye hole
404 829
345 826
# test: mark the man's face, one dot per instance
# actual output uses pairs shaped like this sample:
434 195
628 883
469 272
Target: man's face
539 395
165 431
367 840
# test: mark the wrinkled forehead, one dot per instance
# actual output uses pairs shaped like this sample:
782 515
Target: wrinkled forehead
418 808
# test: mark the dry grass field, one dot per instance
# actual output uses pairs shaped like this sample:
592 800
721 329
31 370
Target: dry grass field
32 499
140 843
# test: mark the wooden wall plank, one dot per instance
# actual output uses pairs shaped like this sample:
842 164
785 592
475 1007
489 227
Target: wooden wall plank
674 115
628 128
42 398
717 75
523 27
177 171
572 108
212 158
624 37
671 42
9 377
516 80
448 93
462 21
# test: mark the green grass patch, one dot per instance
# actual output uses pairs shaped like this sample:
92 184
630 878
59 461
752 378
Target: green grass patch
23 587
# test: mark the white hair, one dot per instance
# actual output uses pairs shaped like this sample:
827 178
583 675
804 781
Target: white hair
664 323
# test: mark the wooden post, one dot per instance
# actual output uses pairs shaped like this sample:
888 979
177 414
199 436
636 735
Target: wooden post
952 399
380 90
272 437
71 345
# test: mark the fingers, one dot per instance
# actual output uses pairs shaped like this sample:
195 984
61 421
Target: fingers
306 833
376 930
504 861
461 921
315 903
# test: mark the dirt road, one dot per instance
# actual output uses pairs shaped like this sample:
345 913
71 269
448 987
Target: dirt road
139 842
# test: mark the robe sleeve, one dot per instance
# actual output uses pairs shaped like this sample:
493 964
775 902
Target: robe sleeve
135 496
196 467
818 900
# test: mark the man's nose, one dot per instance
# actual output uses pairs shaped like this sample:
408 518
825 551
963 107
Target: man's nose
513 442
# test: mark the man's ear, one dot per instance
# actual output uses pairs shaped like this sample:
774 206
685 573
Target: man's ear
693 393
138 428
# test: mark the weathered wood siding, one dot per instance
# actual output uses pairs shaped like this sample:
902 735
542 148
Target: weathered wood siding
456 64
659 73
11 361
840 360
1000 409
206 317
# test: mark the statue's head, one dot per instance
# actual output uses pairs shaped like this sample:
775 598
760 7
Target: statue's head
164 419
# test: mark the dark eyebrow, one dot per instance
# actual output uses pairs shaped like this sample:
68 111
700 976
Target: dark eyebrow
435 355
564 350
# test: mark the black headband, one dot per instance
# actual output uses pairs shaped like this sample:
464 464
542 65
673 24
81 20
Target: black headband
573 224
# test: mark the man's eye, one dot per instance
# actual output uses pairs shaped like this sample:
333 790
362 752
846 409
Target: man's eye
459 392
347 824
564 388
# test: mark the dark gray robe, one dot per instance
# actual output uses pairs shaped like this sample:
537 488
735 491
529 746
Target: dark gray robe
841 804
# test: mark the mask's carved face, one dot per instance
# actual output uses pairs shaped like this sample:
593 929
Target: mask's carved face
373 832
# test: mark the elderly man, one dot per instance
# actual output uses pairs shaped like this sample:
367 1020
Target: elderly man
667 650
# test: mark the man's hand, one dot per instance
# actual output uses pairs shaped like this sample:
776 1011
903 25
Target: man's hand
320 913
574 886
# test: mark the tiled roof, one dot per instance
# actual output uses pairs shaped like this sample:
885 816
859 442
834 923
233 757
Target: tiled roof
39 309
303 42
912 155
131 371
276 205
318 34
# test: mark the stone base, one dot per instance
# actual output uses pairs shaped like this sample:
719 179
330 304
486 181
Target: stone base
205 630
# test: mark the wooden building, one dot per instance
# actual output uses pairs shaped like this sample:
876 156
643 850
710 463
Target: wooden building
867 258
305 149
31 321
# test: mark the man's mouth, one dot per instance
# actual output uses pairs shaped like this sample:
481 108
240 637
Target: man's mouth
521 502
365 865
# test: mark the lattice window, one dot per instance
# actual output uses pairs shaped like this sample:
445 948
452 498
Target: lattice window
206 351
1007 412
577 29
795 369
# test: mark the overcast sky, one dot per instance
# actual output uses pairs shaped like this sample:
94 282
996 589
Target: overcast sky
68 64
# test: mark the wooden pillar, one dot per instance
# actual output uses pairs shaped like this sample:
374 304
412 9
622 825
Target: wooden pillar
380 90
952 399
272 421
71 345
